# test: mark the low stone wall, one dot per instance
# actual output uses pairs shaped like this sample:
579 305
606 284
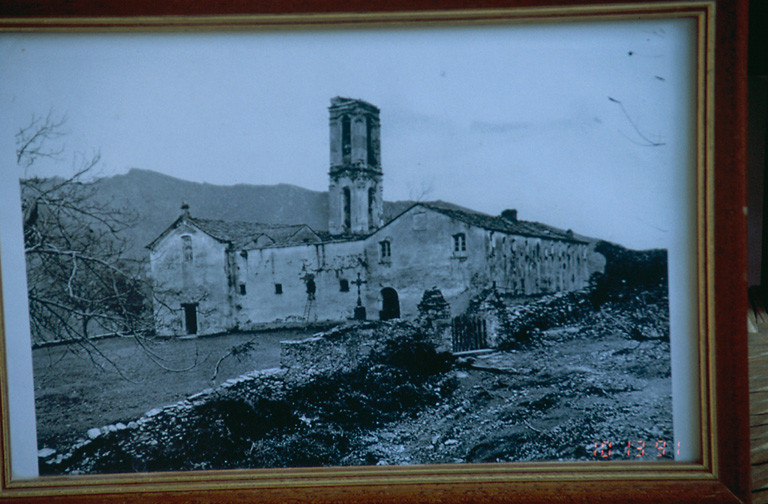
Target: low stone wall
340 349
178 411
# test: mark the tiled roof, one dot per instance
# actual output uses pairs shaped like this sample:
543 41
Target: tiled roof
242 234
496 223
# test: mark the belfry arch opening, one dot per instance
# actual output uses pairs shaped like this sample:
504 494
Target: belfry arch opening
346 136
372 161
347 205
371 207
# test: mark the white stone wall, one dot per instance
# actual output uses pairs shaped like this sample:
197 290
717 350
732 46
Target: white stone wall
423 256
289 266
202 280
530 266
237 289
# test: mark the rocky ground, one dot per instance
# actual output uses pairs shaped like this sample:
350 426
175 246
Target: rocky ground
592 383
564 399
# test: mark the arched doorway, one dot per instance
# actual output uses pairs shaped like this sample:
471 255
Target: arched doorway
390 304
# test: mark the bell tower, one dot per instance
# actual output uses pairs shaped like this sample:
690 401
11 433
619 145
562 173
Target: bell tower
355 190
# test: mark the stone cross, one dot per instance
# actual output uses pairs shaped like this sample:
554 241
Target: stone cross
360 309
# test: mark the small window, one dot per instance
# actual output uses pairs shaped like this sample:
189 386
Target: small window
460 242
385 250
344 285
278 288
242 289
187 247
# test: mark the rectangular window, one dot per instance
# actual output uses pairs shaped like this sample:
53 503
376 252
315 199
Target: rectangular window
187 246
459 242
369 142
242 289
344 285
278 288
190 317
385 250
371 207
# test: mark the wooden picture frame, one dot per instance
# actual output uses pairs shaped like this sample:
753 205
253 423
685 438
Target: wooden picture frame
722 473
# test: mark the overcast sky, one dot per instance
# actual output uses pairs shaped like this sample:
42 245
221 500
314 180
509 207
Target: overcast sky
577 126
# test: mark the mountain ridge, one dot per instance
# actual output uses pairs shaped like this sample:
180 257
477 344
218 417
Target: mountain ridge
155 200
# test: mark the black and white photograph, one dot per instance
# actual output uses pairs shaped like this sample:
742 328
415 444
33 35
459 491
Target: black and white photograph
414 246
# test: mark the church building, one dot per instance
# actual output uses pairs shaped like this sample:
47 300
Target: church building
214 276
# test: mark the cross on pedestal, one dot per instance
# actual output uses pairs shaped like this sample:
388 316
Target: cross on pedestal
359 309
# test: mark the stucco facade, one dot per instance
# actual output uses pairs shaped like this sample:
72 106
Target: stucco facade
214 276
192 273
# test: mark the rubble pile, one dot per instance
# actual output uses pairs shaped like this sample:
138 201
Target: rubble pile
522 323
434 318
433 306
571 393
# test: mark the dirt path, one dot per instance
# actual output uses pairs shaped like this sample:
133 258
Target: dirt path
75 391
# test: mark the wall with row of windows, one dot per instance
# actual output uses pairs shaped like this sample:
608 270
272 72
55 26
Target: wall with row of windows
424 249
310 282
528 266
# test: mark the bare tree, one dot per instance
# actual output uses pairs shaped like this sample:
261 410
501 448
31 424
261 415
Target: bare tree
80 281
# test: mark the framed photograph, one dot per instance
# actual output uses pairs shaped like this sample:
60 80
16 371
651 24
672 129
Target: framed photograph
401 253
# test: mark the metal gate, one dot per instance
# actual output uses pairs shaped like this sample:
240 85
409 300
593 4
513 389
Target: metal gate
469 333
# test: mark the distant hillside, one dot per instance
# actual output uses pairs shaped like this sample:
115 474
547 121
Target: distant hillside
156 200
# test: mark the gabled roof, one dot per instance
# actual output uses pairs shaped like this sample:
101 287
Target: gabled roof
240 235
494 223
244 235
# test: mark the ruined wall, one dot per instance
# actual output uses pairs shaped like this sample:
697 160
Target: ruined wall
276 283
529 266
188 266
